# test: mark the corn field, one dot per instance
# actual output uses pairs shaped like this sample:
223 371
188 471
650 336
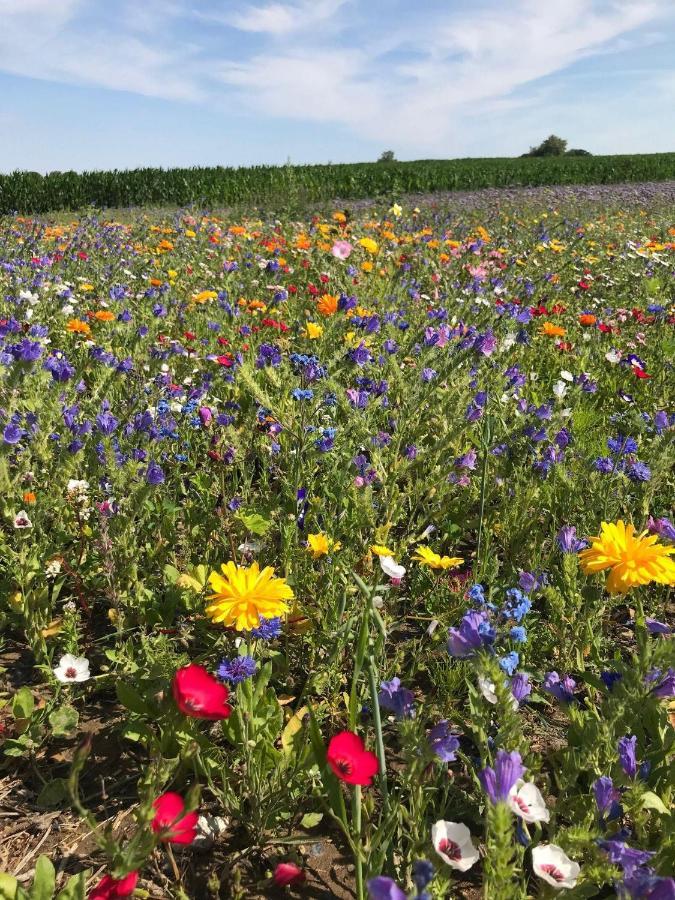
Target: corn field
31 192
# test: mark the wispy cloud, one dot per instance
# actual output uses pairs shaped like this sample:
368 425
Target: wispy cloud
284 18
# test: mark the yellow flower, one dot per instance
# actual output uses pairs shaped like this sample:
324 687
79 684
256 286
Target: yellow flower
633 559
396 210
77 326
321 545
203 296
313 331
369 245
242 594
379 550
427 557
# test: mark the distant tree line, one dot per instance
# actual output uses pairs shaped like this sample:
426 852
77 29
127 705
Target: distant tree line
552 146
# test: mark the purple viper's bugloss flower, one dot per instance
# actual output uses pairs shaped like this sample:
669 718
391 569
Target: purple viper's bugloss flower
498 781
568 541
443 743
474 633
607 798
397 699
562 689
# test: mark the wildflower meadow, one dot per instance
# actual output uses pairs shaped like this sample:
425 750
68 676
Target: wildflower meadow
337 551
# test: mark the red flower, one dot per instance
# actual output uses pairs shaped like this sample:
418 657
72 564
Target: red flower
583 285
223 341
349 759
227 360
640 373
169 808
189 335
199 695
288 873
110 888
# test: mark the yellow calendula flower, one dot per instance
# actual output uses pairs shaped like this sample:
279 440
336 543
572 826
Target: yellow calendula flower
369 245
428 557
380 550
242 594
313 331
321 545
396 210
633 559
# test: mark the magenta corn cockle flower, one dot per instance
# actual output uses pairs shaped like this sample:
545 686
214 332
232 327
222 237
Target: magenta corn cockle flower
551 863
452 841
498 782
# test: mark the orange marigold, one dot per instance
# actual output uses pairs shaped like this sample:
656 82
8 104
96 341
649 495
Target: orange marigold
327 305
551 330
77 326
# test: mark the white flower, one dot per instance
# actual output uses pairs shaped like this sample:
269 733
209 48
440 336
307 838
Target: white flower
53 568
21 520
252 547
613 357
526 801
487 689
560 389
551 863
509 340
391 568
452 841
77 487
72 668
566 376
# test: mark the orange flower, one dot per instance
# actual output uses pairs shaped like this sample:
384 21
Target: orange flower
29 497
104 315
551 330
77 326
156 282
327 305
587 319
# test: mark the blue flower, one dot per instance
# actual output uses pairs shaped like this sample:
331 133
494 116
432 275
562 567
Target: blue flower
154 474
518 634
498 781
238 669
443 743
568 541
627 749
562 689
397 699
509 663
268 629
474 633
12 434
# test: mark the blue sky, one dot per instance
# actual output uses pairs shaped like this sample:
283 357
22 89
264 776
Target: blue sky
90 84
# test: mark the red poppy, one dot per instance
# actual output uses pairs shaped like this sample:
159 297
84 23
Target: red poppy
292 289
583 285
288 873
227 360
169 808
606 329
199 695
323 278
349 759
640 373
110 888
189 335
223 341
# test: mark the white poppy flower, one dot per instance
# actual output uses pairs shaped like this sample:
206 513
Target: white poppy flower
452 841
560 389
613 357
72 668
566 376
391 568
526 801
551 863
21 520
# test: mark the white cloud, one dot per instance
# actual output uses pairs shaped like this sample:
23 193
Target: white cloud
282 19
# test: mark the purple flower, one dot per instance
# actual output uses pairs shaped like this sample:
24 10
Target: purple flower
474 632
520 686
607 798
443 743
645 884
423 872
397 699
638 471
656 627
238 669
568 541
562 689
154 473
383 888
666 688
663 527
528 582
497 782
485 344
468 461
627 755
12 434
107 423
620 854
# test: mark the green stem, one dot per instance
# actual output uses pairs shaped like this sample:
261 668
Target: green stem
377 719
356 828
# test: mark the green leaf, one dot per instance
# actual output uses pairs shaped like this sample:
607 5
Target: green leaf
254 522
75 887
311 820
131 699
53 793
650 800
23 704
9 887
44 881
64 721
292 733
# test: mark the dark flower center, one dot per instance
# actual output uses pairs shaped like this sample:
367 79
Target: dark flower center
344 766
71 672
450 848
553 871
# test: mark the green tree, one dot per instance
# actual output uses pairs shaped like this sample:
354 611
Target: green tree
387 156
552 146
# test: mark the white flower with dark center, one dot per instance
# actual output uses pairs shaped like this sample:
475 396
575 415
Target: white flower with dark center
452 841
21 520
391 568
71 669
527 802
551 863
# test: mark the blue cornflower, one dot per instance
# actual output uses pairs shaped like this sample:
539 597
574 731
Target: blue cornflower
268 629
238 669
302 394
638 471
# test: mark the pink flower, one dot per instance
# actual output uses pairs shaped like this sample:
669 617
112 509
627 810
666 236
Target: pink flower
288 873
169 808
199 695
110 888
341 249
